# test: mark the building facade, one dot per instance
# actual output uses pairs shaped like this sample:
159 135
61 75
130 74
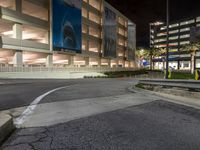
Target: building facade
181 33
27 35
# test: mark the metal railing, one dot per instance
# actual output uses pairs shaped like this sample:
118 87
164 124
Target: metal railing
189 84
61 69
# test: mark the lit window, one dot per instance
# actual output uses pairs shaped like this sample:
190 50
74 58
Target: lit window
94 31
94 17
173 44
174 31
84 12
35 34
121 31
10 4
84 44
84 28
185 36
185 29
34 10
184 42
198 19
160 40
163 28
95 3
198 25
94 46
122 21
162 34
174 25
187 22
173 38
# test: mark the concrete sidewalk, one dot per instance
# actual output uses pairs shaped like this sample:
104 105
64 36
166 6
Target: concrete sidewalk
64 111
190 102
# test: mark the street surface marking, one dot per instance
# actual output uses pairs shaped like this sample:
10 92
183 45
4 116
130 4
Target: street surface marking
30 109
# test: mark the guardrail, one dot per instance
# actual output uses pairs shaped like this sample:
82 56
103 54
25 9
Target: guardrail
189 84
62 69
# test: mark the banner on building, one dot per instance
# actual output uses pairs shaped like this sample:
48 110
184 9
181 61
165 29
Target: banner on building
131 41
110 33
67 25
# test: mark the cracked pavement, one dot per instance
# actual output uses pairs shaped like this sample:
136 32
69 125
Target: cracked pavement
157 125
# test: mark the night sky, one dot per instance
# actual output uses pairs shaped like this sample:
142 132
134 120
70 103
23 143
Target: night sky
144 11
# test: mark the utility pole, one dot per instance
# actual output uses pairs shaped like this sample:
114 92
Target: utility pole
167 48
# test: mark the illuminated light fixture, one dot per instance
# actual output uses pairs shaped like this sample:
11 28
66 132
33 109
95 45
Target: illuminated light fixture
41 60
29 36
2 59
61 62
8 33
80 61
157 23
93 63
104 63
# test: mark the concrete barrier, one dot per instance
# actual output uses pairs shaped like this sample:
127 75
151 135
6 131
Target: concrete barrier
48 75
189 84
6 126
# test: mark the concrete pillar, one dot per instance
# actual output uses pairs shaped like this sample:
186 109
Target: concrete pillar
18 59
18 56
71 60
49 61
18 5
117 63
124 64
129 64
17 31
87 61
109 62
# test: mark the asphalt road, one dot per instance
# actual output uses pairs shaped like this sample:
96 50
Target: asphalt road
19 93
98 114
158 125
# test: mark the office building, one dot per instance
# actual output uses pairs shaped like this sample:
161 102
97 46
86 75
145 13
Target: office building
181 33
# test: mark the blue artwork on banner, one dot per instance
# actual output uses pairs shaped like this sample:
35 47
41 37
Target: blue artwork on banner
67 25
110 33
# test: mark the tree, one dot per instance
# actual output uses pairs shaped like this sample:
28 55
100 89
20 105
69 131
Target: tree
192 48
142 53
155 52
149 54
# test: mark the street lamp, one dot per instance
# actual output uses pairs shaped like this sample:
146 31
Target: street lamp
167 48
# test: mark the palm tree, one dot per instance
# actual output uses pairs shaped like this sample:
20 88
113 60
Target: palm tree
155 52
142 53
192 48
150 54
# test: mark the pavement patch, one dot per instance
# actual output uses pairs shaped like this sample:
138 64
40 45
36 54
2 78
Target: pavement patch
64 111
157 125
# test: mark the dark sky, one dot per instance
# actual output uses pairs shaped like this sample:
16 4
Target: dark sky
144 11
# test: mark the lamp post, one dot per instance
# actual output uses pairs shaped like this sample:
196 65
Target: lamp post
167 48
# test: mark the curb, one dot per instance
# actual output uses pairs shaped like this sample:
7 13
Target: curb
194 103
6 126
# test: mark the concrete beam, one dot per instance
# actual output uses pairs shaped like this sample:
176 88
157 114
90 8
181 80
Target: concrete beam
11 15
